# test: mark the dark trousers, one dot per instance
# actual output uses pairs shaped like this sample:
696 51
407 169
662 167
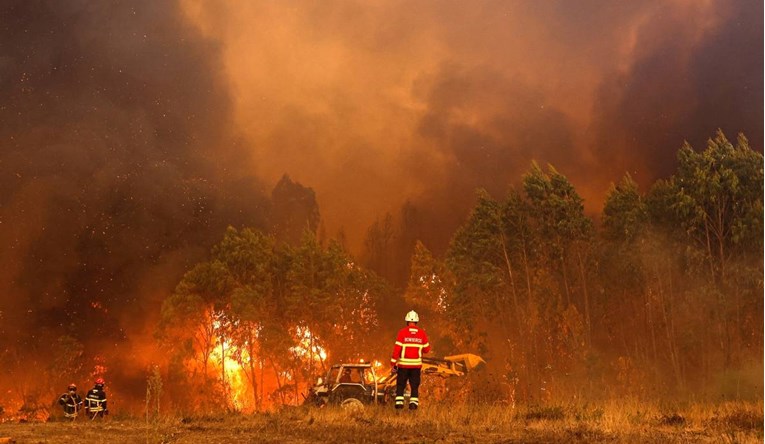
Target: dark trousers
412 376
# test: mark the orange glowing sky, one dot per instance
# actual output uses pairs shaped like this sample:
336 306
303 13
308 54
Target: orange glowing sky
375 103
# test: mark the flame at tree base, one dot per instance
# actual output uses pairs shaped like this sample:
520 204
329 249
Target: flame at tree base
248 389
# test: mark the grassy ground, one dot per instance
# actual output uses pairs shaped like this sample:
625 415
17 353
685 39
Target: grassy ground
615 422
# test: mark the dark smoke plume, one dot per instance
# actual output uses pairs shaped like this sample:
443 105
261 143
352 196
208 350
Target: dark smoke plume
683 87
118 168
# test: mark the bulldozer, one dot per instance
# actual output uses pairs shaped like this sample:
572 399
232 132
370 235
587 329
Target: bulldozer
354 385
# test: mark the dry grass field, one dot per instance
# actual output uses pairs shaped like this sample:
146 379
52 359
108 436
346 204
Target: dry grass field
436 423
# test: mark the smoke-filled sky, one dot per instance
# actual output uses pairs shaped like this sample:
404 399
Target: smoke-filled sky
134 131
119 163
372 103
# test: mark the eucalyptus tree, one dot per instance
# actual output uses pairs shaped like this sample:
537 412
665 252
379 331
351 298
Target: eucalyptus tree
249 257
475 259
563 230
190 316
712 207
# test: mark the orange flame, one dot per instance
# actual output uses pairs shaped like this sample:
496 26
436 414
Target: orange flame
235 380
235 377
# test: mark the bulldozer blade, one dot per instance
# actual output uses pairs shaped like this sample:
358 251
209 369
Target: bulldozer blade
469 360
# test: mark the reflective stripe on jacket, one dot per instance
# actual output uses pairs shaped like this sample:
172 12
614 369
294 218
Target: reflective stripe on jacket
71 404
95 400
411 344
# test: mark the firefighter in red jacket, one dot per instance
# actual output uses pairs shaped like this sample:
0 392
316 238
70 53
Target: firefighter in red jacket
411 344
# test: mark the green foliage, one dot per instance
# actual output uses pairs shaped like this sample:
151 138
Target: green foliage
624 213
475 261
475 252
558 208
510 265
562 230
685 258
715 201
624 227
429 282
262 303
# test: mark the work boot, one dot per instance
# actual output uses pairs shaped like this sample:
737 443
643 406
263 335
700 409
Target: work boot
412 406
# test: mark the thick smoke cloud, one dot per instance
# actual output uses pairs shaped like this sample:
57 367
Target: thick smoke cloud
373 105
683 85
118 168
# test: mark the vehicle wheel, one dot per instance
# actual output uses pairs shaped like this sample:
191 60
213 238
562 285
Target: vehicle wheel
342 393
352 405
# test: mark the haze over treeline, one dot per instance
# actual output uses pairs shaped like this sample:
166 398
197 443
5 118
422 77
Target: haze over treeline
135 132
663 300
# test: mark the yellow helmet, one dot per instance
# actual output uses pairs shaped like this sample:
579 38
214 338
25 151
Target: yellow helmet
412 316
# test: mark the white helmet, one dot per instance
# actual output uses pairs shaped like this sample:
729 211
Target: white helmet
412 316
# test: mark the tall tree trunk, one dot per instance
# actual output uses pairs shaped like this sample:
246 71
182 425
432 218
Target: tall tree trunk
531 355
262 372
710 255
297 383
563 267
278 380
512 281
205 341
223 370
310 356
253 375
720 232
205 363
651 327
669 331
565 279
528 273
323 364
295 375
586 299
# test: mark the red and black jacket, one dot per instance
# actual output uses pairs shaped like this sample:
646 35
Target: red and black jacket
411 344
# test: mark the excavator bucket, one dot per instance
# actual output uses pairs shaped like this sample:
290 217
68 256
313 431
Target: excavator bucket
469 361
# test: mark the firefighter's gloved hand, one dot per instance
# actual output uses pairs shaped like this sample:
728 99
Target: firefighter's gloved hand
393 370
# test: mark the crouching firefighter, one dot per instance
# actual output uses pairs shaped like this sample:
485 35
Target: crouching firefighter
71 402
406 361
95 401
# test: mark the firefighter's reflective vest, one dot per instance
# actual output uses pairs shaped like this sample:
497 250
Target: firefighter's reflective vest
72 404
411 344
95 400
